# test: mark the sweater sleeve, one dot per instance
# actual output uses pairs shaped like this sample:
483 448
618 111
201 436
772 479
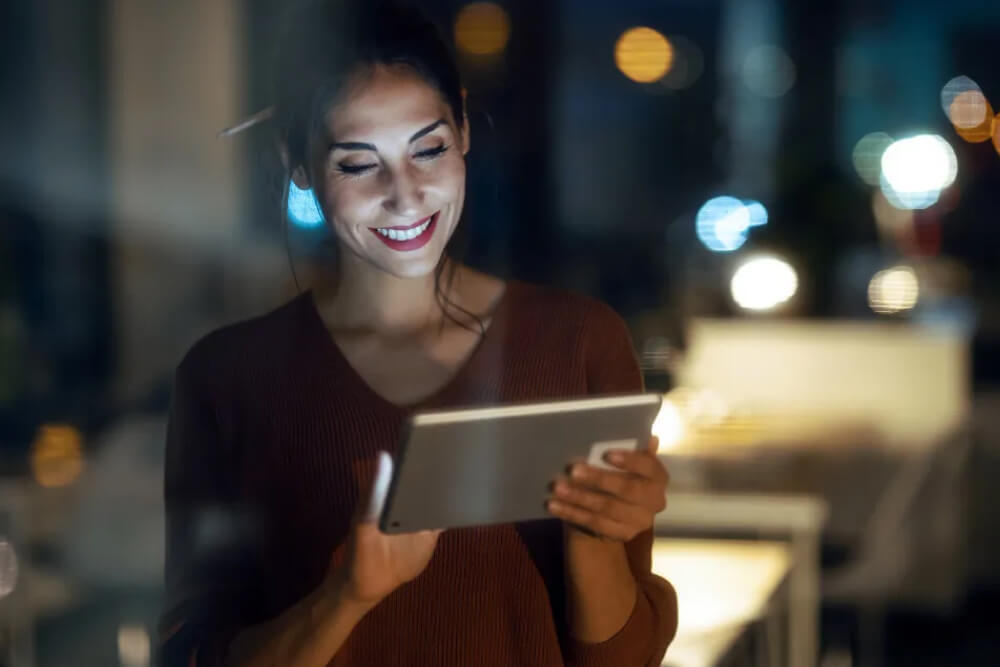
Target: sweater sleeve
209 562
612 368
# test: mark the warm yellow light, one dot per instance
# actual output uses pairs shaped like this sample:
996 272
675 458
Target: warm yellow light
996 132
668 425
764 283
57 455
133 646
643 54
482 29
977 110
893 290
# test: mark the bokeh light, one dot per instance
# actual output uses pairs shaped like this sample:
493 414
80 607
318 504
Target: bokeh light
893 290
980 133
768 71
133 646
764 283
687 65
916 169
969 110
643 54
758 214
956 87
57 455
303 209
996 132
722 224
8 568
668 425
482 29
909 200
867 156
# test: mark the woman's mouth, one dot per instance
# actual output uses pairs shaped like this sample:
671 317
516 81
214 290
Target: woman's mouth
409 237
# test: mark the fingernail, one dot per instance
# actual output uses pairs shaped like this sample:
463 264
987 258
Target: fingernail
614 457
578 472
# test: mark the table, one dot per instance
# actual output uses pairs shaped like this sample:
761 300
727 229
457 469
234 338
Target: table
796 522
722 587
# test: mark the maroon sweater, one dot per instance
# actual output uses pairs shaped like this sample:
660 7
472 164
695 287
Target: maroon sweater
272 433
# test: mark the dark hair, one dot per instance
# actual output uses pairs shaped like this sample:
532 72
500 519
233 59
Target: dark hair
325 43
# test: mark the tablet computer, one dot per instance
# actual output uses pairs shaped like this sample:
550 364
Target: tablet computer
491 465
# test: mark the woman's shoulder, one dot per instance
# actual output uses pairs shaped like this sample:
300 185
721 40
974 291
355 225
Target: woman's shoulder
569 305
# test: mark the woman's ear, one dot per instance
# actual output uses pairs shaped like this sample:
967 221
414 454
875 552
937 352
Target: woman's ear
300 178
299 175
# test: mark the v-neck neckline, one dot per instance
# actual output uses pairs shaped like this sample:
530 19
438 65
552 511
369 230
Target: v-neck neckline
489 338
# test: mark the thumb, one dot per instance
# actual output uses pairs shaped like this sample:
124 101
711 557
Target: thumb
379 488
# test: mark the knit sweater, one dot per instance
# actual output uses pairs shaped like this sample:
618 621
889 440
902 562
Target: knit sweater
271 435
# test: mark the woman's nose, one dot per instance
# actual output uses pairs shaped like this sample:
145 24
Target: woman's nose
405 194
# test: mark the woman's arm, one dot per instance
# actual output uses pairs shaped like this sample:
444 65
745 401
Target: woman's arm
618 611
213 614
308 634
600 585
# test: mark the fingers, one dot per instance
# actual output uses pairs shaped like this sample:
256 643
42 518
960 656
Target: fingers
645 464
629 487
601 504
593 522
379 488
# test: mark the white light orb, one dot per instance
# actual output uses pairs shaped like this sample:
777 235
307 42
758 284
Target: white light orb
763 283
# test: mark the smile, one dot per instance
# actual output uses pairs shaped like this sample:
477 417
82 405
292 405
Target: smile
410 237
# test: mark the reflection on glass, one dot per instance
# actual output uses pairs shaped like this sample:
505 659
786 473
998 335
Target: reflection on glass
687 65
768 71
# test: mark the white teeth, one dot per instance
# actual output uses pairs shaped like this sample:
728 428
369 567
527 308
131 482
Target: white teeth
404 235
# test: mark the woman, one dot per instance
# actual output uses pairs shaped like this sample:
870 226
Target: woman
277 424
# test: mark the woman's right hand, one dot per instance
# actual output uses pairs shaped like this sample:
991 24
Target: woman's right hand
376 564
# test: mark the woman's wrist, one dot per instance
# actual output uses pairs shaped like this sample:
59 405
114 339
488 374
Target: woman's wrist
335 593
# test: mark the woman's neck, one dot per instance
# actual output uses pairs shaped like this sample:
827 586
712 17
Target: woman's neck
367 299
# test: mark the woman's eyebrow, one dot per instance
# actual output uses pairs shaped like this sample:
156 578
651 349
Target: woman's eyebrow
361 146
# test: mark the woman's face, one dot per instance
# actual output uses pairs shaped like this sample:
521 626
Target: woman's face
391 177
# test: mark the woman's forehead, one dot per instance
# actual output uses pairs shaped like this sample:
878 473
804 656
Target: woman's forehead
385 102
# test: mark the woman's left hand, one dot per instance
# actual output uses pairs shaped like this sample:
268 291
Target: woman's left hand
614 504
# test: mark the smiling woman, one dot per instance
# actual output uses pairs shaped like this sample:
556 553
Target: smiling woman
281 425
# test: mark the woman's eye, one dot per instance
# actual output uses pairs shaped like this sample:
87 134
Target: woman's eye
431 153
354 169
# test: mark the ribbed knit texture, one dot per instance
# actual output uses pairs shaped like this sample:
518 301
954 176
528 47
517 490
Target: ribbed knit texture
271 435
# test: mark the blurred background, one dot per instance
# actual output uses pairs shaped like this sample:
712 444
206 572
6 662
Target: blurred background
795 206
